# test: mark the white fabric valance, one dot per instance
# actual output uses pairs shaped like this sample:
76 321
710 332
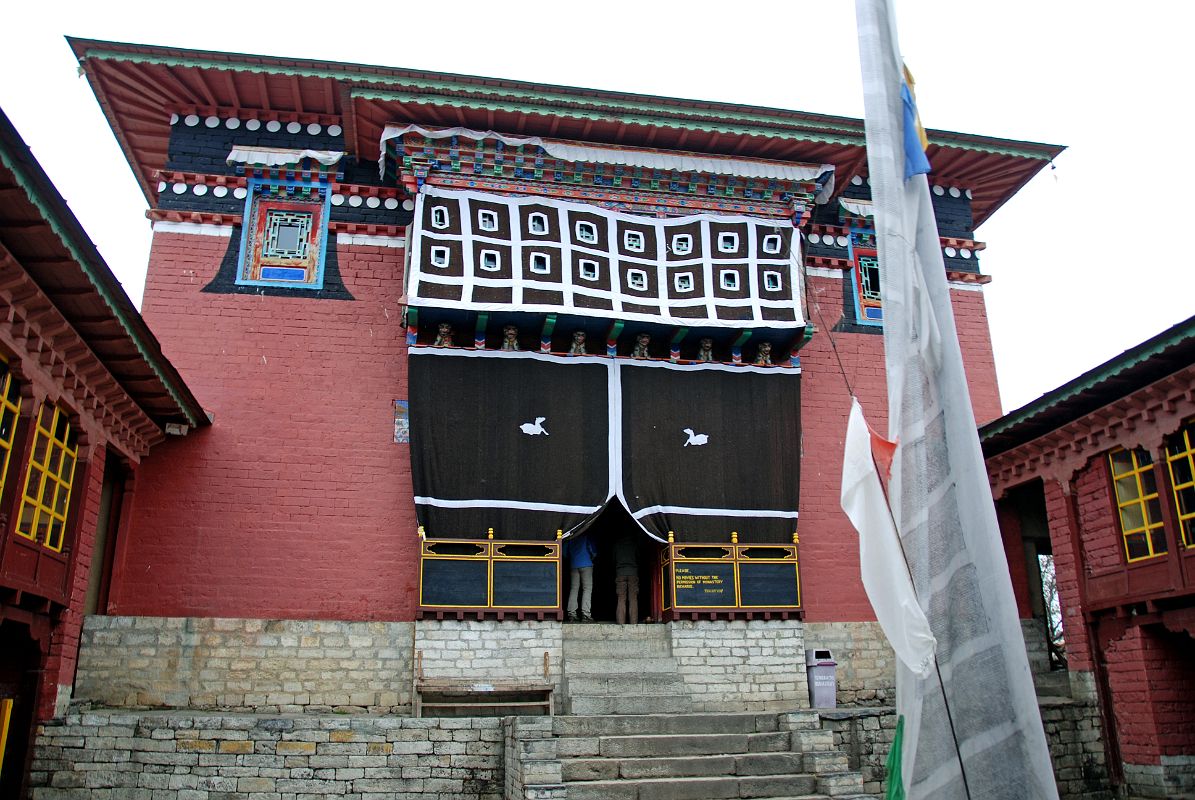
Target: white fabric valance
632 158
277 157
860 208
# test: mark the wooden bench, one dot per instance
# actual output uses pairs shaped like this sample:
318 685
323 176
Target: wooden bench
457 695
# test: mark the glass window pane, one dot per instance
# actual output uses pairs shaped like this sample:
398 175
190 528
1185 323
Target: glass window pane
52 460
28 517
1136 546
35 478
40 443
1189 532
1158 535
1126 489
1155 511
46 417
1143 457
60 430
47 494
1180 470
54 539
1131 517
1186 500
1121 462
8 424
1149 482
60 501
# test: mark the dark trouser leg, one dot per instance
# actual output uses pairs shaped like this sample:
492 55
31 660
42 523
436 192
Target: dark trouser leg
632 599
620 608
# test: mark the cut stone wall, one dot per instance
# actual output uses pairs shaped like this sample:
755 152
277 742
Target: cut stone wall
1072 732
198 756
866 664
267 666
488 651
741 665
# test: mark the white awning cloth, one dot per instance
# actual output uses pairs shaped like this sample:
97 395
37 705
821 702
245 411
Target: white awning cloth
860 208
277 157
632 158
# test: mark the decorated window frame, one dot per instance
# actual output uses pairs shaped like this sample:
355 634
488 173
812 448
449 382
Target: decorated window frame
10 411
440 217
682 282
537 224
865 277
541 264
487 220
682 244
490 260
49 479
588 269
1138 504
1180 463
771 244
284 237
728 279
440 256
634 241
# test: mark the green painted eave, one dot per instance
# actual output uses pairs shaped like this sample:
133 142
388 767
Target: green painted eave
108 290
559 101
1182 333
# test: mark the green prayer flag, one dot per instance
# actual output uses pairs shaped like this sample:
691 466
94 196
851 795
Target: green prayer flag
896 786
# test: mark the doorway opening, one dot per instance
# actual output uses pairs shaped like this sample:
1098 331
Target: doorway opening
606 529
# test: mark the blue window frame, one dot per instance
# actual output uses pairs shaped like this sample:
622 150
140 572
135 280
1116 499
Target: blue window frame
284 236
865 277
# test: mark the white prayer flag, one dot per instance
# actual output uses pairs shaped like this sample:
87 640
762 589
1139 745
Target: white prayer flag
885 574
972 729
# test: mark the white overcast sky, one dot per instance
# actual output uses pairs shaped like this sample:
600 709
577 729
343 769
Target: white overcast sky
1087 260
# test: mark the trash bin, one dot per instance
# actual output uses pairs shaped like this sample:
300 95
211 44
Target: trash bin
823 680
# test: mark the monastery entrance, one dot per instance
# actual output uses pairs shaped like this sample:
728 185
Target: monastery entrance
612 523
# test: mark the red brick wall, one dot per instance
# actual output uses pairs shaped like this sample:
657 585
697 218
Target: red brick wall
831 588
68 624
1103 546
296 502
1063 524
1151 672
1014 552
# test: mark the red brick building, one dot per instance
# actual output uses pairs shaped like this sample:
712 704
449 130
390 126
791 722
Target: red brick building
1100 473
339 252
85 394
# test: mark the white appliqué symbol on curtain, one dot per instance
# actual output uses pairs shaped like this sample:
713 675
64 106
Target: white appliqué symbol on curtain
696 439
534 428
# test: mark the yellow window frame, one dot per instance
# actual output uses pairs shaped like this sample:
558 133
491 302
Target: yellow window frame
6 704
46 499
1133 487
10 410
1179 452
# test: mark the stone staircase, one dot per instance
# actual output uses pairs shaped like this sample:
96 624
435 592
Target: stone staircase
621 669
701 757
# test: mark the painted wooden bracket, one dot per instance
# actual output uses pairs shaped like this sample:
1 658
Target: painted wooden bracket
412 326
674 349
736 349
479 331
545 336
612 338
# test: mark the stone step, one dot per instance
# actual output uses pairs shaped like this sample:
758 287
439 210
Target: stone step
609 665
616 648
644 683
692 744
601 704
754 764
766 786
630 724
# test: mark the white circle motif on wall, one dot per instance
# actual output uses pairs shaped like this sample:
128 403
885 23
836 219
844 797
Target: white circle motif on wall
857 180
212 122
965 253
841 241
954 192
355 200
408 205
314 128
391 203
239 193
253 124
373 202
162 186
273 126
335 130
951 252
939 191
815 238
293 127
968 193
174 119
220 191
191 120
337 199
199 189
179 188
232 123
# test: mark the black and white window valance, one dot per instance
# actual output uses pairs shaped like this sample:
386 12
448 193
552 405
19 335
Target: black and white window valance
528 444
486 252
